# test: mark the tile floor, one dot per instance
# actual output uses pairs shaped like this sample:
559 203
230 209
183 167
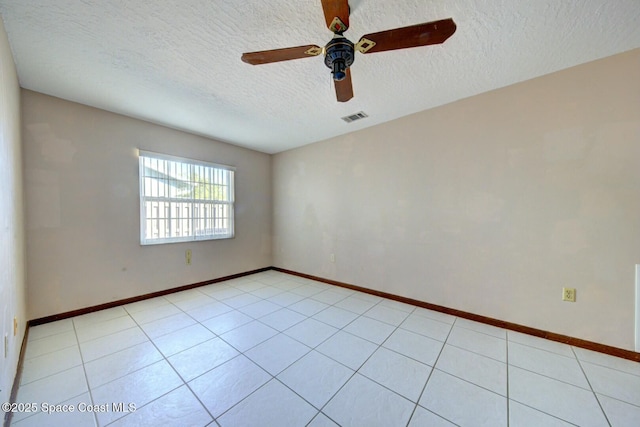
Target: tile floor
277 350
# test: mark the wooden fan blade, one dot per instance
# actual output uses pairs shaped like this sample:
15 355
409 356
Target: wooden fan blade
435 32
344 88
336 9
277 55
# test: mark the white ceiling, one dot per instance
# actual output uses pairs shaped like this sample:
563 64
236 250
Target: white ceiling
178 63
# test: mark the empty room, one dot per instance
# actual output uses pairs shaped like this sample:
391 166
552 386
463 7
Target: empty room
320 213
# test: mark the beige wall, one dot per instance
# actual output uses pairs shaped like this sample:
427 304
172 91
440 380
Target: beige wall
12 244
82 204
490 204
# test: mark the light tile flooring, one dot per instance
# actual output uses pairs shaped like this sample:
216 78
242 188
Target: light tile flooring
277 350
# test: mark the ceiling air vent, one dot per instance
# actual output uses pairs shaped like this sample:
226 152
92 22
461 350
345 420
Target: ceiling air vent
353 117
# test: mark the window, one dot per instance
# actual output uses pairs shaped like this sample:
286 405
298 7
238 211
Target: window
183 200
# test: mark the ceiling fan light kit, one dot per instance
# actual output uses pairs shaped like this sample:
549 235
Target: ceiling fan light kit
339 53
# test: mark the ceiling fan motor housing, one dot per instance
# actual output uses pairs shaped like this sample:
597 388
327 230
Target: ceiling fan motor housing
339 55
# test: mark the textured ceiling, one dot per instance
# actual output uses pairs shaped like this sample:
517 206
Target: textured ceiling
178 63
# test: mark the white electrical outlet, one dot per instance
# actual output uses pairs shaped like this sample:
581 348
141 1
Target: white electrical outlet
332 257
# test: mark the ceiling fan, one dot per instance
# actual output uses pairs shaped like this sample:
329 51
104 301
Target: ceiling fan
339 53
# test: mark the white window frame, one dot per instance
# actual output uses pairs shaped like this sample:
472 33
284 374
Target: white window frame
165 198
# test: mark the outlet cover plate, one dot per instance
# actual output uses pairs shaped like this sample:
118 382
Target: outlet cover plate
569 294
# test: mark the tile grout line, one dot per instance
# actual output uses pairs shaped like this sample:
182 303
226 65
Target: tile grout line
84 370
430 372
475 352
530 371
433 368
409 313
49 375
551 378
546 413
273 377
312 318
355 371
527 370
374 352
479 332
143 406
543 349
137 370
215 420
242 353
591 387
166 359
479 355
13 420
600 364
